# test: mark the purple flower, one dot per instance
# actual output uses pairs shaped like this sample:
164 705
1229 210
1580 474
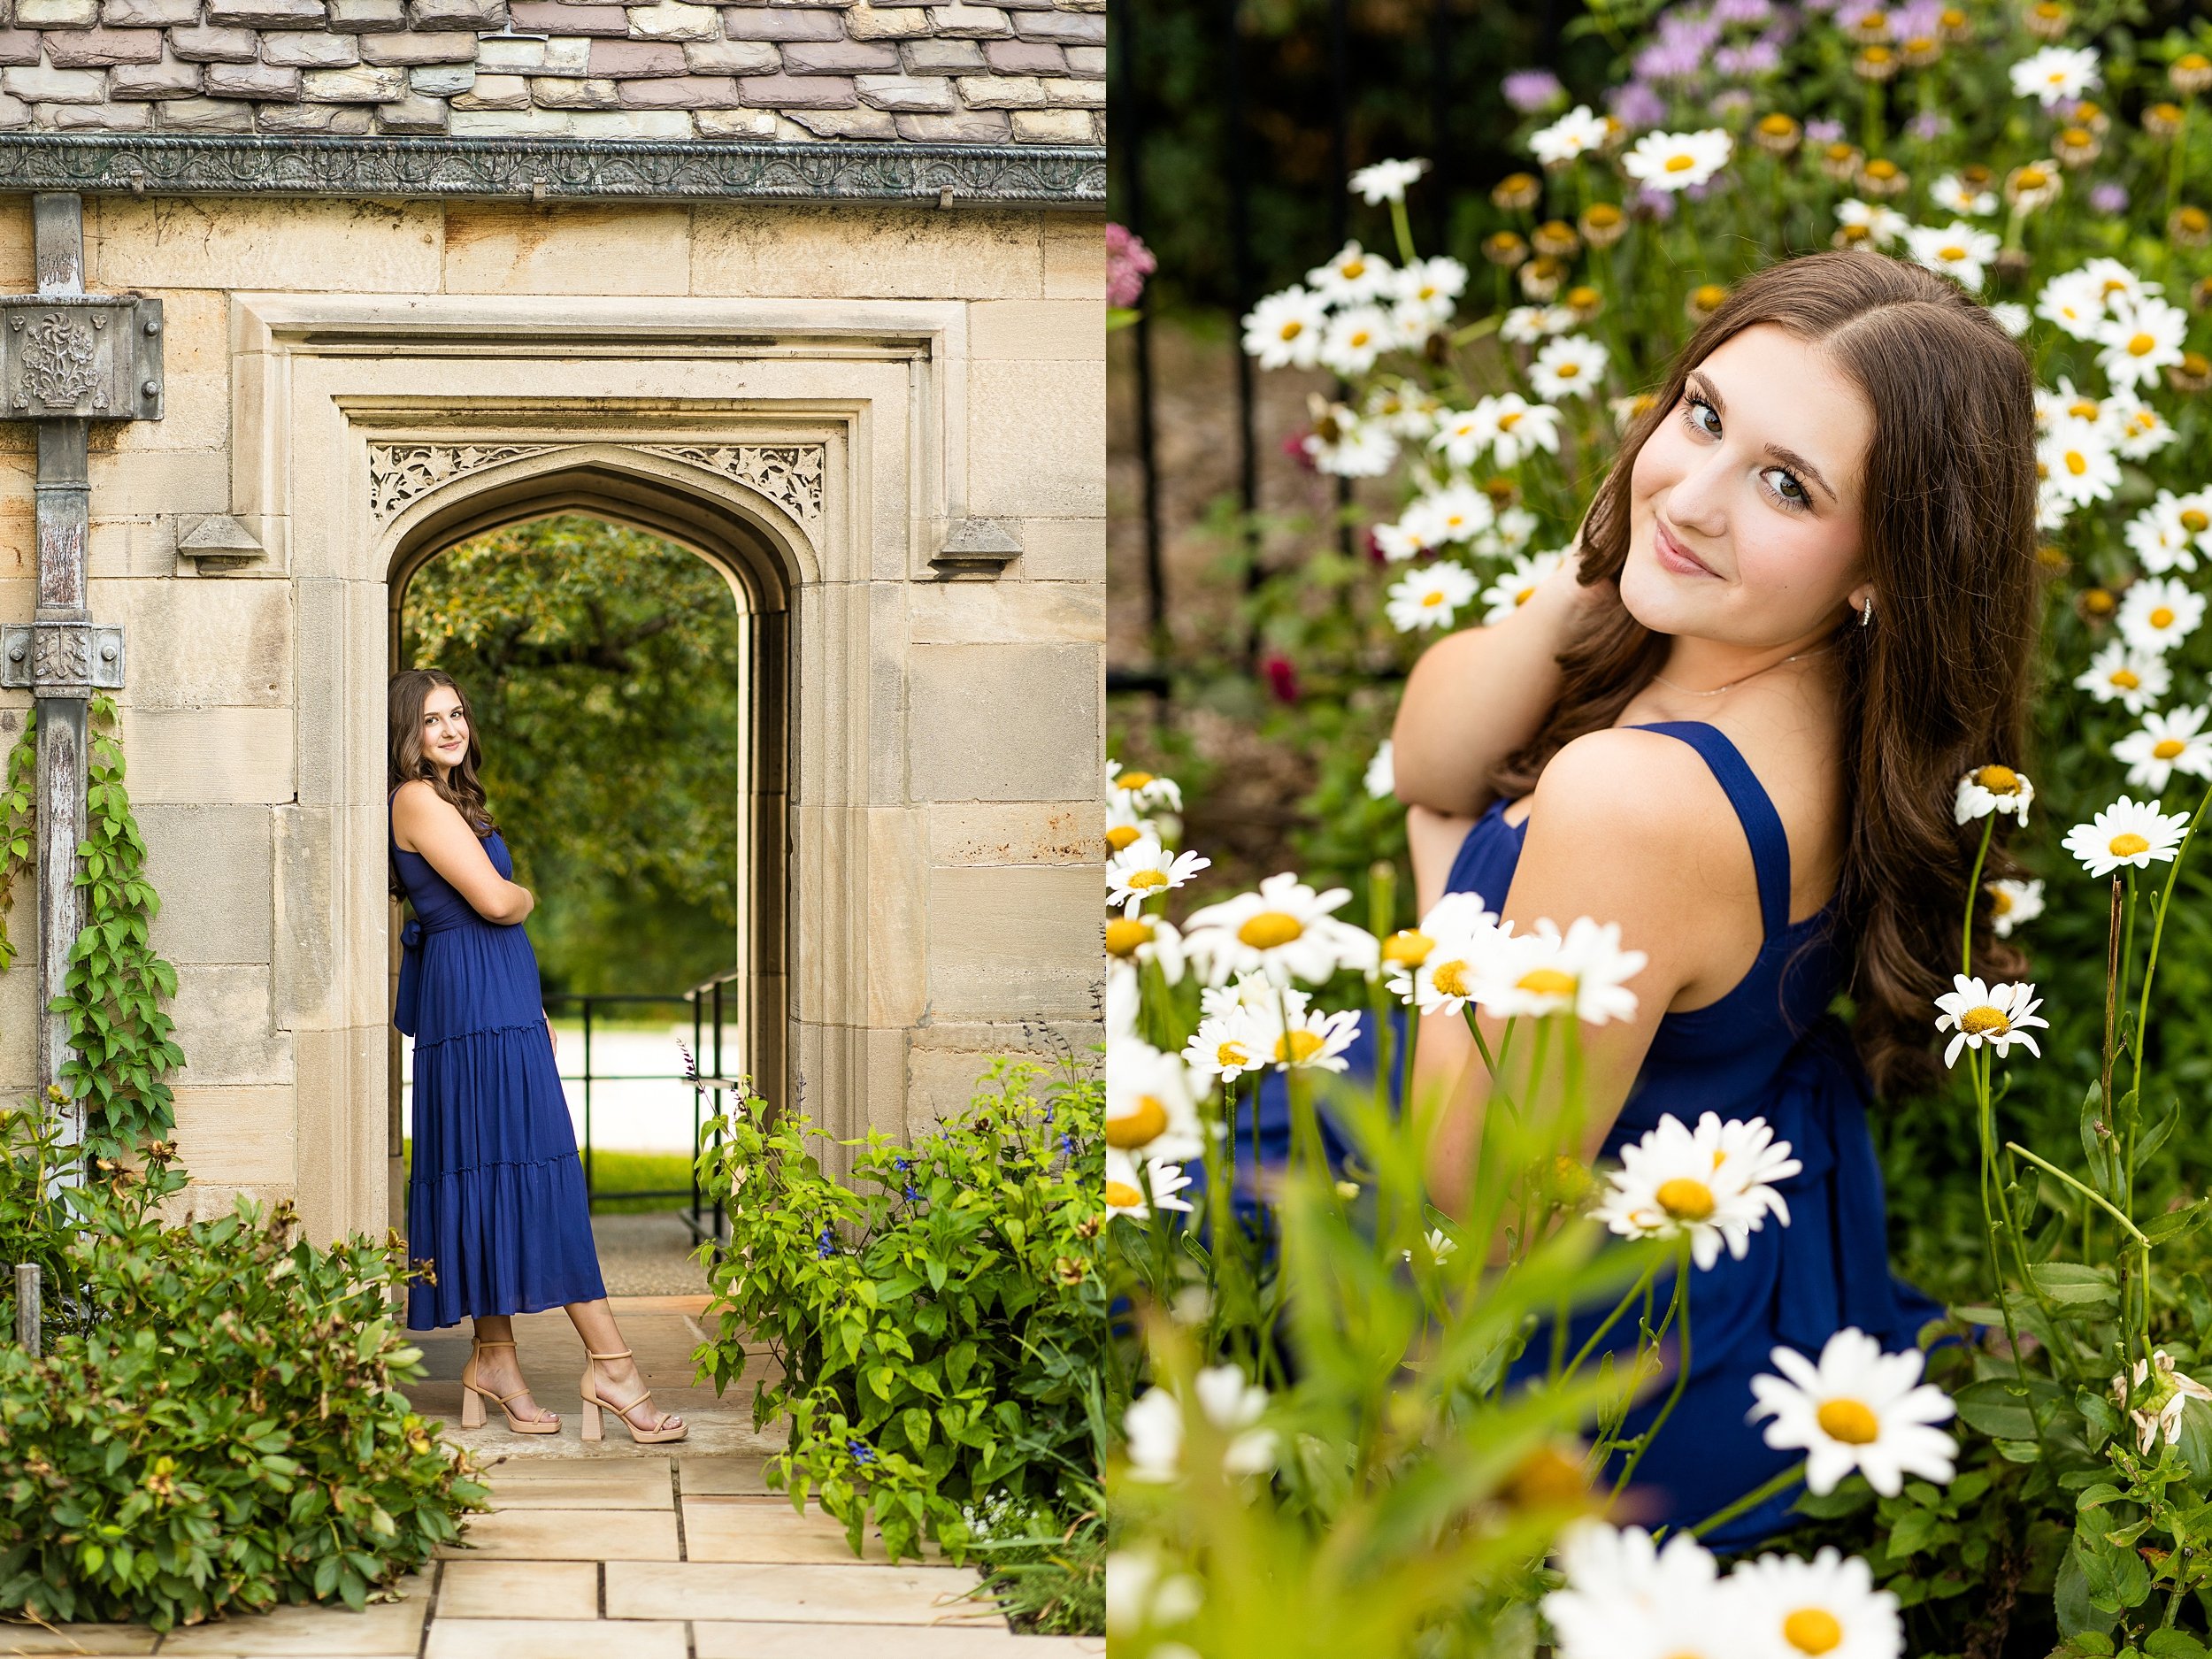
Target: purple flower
1128 262
2109 197
1726 11
1529 90
860 1452
1822 130
1728 62
1680 29
1929 124
1917 20
1652 203
1670 60
826 1246
1762 57
1067 1145
1635 105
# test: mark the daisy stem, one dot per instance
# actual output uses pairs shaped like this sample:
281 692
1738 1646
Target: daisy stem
2094 1197
1478 328
2174 161
1403 227
1750 1500
1643 1281
1681 1371
1973 892
2150 967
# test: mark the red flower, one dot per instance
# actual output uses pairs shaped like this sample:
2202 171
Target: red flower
1282 679
1128 262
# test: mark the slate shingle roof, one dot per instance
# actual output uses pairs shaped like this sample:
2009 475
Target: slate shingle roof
1010 72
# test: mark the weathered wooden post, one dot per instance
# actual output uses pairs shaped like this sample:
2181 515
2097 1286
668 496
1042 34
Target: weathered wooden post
70 358
27 1320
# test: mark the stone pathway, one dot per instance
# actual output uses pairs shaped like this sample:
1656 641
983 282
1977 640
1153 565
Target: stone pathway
617 1551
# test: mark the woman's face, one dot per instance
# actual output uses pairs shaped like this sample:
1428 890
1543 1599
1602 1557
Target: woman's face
1745 503
445 729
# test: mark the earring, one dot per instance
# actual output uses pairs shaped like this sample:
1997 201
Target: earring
1867 615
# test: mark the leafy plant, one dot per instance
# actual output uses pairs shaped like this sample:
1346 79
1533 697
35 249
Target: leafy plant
222 1428
18 819
937 1324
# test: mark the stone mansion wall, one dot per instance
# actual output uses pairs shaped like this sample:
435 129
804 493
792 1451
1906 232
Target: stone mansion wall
825 398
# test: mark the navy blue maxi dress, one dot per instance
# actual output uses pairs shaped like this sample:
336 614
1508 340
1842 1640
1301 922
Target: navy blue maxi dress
1768 1049
495 1199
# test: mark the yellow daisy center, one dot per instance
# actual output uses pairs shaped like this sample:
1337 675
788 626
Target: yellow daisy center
1269 929
1121 1195
1521 595
1450 977
1951 250
1508 420
1686 1200
1848 1421
1999 779
1407 945
1125 933
2083 409
1881 167
1680 164
2076 462
2127 845
2126 679
1568 371
1812 1630
1981 1022
1232 1054
1295 1047
1776 126
1292 328
1122 836
1546 982
1134 780
2031 178
1353 268
1999 902
2166 747
1142 1125
2195 521
2138 344
2162 617
1147 881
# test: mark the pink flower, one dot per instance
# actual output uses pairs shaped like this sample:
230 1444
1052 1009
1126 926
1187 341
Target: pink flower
1128 262
1282 678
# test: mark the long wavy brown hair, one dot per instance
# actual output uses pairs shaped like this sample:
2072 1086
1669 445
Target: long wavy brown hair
460 788
1938 684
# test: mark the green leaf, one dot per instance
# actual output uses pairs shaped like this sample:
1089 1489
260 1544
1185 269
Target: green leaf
1997 1408
2074 1283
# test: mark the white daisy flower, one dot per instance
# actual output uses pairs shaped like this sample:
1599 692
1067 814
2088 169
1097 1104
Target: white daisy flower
1456 941
1884 225
2075 302
1141 1595
2159 613
1525 325
1124 824
1675 161
2167 534
1619 1583
1409 538
1577 132
1404 410
1145 869
1355 337
1352 277
1308 1038
2126 832
1582 971
1570 365
1225 1046
1387 181
2169 742
1124 999
2119 673
2054 74
1456 512
1381 777
1151 1104
1434 283
1996 1014
1141 939
1283 331
2012 903
1234 1404
1858 1409
1506 424
2158 1397
1284 931
1356 448
1463 435
2078 460
1957 249
1143 791
2115 284
1988 789
2139 431
1947 192
2053 506
1125 1183
1713 1183
1430 598
2139 338
2011 317
1514 588
1828 1606
1515 527
1153 1424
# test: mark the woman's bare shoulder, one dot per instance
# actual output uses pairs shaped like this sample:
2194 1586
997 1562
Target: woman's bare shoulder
418 806
1622 779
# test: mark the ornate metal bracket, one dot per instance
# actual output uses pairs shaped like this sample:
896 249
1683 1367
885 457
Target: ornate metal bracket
89 356
61 659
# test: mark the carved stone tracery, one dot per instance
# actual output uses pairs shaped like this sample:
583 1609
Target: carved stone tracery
790 474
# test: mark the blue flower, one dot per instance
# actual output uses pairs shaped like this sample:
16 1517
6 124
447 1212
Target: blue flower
826 1246
860 1452
1067 1144
899 1165
911 1195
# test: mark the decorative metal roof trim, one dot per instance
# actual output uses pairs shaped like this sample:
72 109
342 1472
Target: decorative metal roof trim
553 169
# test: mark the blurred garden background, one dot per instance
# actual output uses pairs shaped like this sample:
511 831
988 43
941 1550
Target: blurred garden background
1311 479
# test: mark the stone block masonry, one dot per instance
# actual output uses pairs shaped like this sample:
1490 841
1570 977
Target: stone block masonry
794 70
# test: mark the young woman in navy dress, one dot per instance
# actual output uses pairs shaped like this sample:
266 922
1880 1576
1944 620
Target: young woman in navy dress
1805 606
495 1198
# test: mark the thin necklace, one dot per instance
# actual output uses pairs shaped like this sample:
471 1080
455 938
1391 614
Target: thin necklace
1733 684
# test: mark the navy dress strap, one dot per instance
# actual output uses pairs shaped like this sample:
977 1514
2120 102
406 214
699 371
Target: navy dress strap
1762 824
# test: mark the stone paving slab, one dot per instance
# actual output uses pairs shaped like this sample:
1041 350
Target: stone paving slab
570 1535
766 1530
382 1627
75 1639
850 1594
557 1638
731 1475
599 1483
715 1638
519 1590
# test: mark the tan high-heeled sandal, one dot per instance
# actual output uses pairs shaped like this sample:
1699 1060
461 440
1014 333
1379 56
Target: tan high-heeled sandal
473 1394
594 1405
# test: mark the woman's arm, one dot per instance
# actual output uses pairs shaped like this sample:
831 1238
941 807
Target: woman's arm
1477 695
428 824
1624 829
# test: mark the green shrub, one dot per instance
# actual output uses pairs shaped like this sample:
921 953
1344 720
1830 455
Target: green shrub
219 1426
937 1325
